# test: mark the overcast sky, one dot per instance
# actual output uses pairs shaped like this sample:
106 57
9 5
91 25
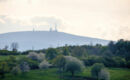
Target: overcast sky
106 19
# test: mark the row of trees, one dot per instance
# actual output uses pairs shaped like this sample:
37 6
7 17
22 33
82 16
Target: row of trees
115 54
14 47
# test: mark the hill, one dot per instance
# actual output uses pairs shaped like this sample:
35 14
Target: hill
44 39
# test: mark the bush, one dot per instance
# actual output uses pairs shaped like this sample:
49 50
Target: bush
96 68
60 62
73 65
33 56
3 68
32 63
90 60
36 57
44 65
41 57
104 75
16 70
51 53
24 67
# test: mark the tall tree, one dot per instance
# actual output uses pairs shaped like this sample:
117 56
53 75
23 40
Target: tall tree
14 46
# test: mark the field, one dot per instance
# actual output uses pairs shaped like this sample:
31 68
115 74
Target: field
7 57
51 74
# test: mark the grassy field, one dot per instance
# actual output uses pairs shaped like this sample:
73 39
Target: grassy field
51 74
7 57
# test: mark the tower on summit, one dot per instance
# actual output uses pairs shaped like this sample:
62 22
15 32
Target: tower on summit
50 29
56 28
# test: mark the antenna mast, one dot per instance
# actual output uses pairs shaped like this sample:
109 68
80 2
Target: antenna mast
56 27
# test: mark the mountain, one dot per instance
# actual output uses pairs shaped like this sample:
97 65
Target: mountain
44 39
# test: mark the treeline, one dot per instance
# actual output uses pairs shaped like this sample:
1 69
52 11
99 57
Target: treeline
115 54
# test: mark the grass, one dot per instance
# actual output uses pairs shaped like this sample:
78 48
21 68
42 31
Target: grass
7 57
51 74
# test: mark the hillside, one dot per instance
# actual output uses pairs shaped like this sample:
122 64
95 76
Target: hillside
44 39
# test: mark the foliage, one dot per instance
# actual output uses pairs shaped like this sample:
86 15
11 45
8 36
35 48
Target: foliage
44 65
32 63
16 70
51 53
3 68
41 57
33 56
60 62
36 56
73 65
104 75
24 67
96 68
6 52
65 51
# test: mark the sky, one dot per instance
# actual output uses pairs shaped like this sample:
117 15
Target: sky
105 19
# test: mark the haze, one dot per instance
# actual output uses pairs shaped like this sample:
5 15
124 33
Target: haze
105 19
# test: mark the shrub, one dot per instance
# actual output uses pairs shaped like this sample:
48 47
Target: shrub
16 70
73 65
44 65
96 68
104 75
51 53
41 57
24 67
33 56
36 56
60 62
3 68
32 63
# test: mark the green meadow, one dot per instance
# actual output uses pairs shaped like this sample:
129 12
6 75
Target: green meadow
52 74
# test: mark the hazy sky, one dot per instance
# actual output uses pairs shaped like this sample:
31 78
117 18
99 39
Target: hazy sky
106 19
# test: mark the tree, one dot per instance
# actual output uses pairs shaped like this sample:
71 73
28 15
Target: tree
44 65
51 53
65 51
14 46
60 62
41 57
73 65
6 47
96 68
32 63
33 56
104 75
112 47
36 56
11 62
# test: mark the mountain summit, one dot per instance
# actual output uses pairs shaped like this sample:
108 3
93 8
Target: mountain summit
44 39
